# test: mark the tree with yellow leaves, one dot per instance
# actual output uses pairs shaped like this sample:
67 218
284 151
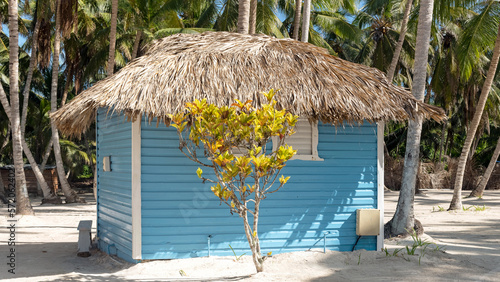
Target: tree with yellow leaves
233 139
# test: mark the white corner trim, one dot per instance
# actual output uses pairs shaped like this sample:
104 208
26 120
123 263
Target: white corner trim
380 182
136 189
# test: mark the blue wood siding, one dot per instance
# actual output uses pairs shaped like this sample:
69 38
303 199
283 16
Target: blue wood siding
114 217
179 212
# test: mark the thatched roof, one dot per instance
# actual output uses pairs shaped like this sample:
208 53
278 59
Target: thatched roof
222 66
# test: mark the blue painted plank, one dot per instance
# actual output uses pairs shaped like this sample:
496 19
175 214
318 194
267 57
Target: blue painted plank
114 187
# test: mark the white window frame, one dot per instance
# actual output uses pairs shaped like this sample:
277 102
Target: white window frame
314 144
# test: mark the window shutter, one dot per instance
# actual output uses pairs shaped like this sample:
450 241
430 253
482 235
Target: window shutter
305 141
302 139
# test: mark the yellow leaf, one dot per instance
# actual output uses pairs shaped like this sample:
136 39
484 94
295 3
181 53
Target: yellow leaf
283 180
199 172
254 234
269 254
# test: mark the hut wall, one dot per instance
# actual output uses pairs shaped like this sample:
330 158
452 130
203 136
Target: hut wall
179 212
114 220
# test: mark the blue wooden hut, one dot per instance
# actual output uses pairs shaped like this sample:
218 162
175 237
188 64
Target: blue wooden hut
151 204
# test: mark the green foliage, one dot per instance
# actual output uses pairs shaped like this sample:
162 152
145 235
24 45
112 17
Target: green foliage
439 209
236 257
474 208
411 250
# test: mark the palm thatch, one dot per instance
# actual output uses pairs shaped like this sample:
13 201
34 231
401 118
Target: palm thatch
222 67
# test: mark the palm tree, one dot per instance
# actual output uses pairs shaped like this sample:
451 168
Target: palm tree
399 45
379 20
488 16
23 205
47 193
478 192
70 194
403 220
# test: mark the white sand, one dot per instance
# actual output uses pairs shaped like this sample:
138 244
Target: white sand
46 251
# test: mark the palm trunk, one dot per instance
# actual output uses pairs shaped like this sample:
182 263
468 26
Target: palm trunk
27 86
441 145
253 17
137 40
112 37
427 98
66 88
306 17
5 142
47 194
70 194
296 19
478 192
23 205
243 16
456 201
404 218
45 158
401 39
46 154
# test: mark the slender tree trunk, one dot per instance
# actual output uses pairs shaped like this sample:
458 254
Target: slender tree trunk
404 218
66 88
5 142
112 37
253 17
46 154
256 256
441 145
23 205
477 138
243 16
45 158
256 219
306 17
478 192
401 39
47 194
137 40
296 19
449 140
456 201
27 85
5 102
427 98
70 194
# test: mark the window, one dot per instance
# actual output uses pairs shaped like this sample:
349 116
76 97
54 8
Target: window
305 141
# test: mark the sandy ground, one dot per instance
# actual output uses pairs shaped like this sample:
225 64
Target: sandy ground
46 250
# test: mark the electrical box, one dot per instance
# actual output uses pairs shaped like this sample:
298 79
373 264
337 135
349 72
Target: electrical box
367 222
106 163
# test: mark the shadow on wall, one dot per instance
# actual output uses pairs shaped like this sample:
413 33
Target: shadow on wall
179 213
